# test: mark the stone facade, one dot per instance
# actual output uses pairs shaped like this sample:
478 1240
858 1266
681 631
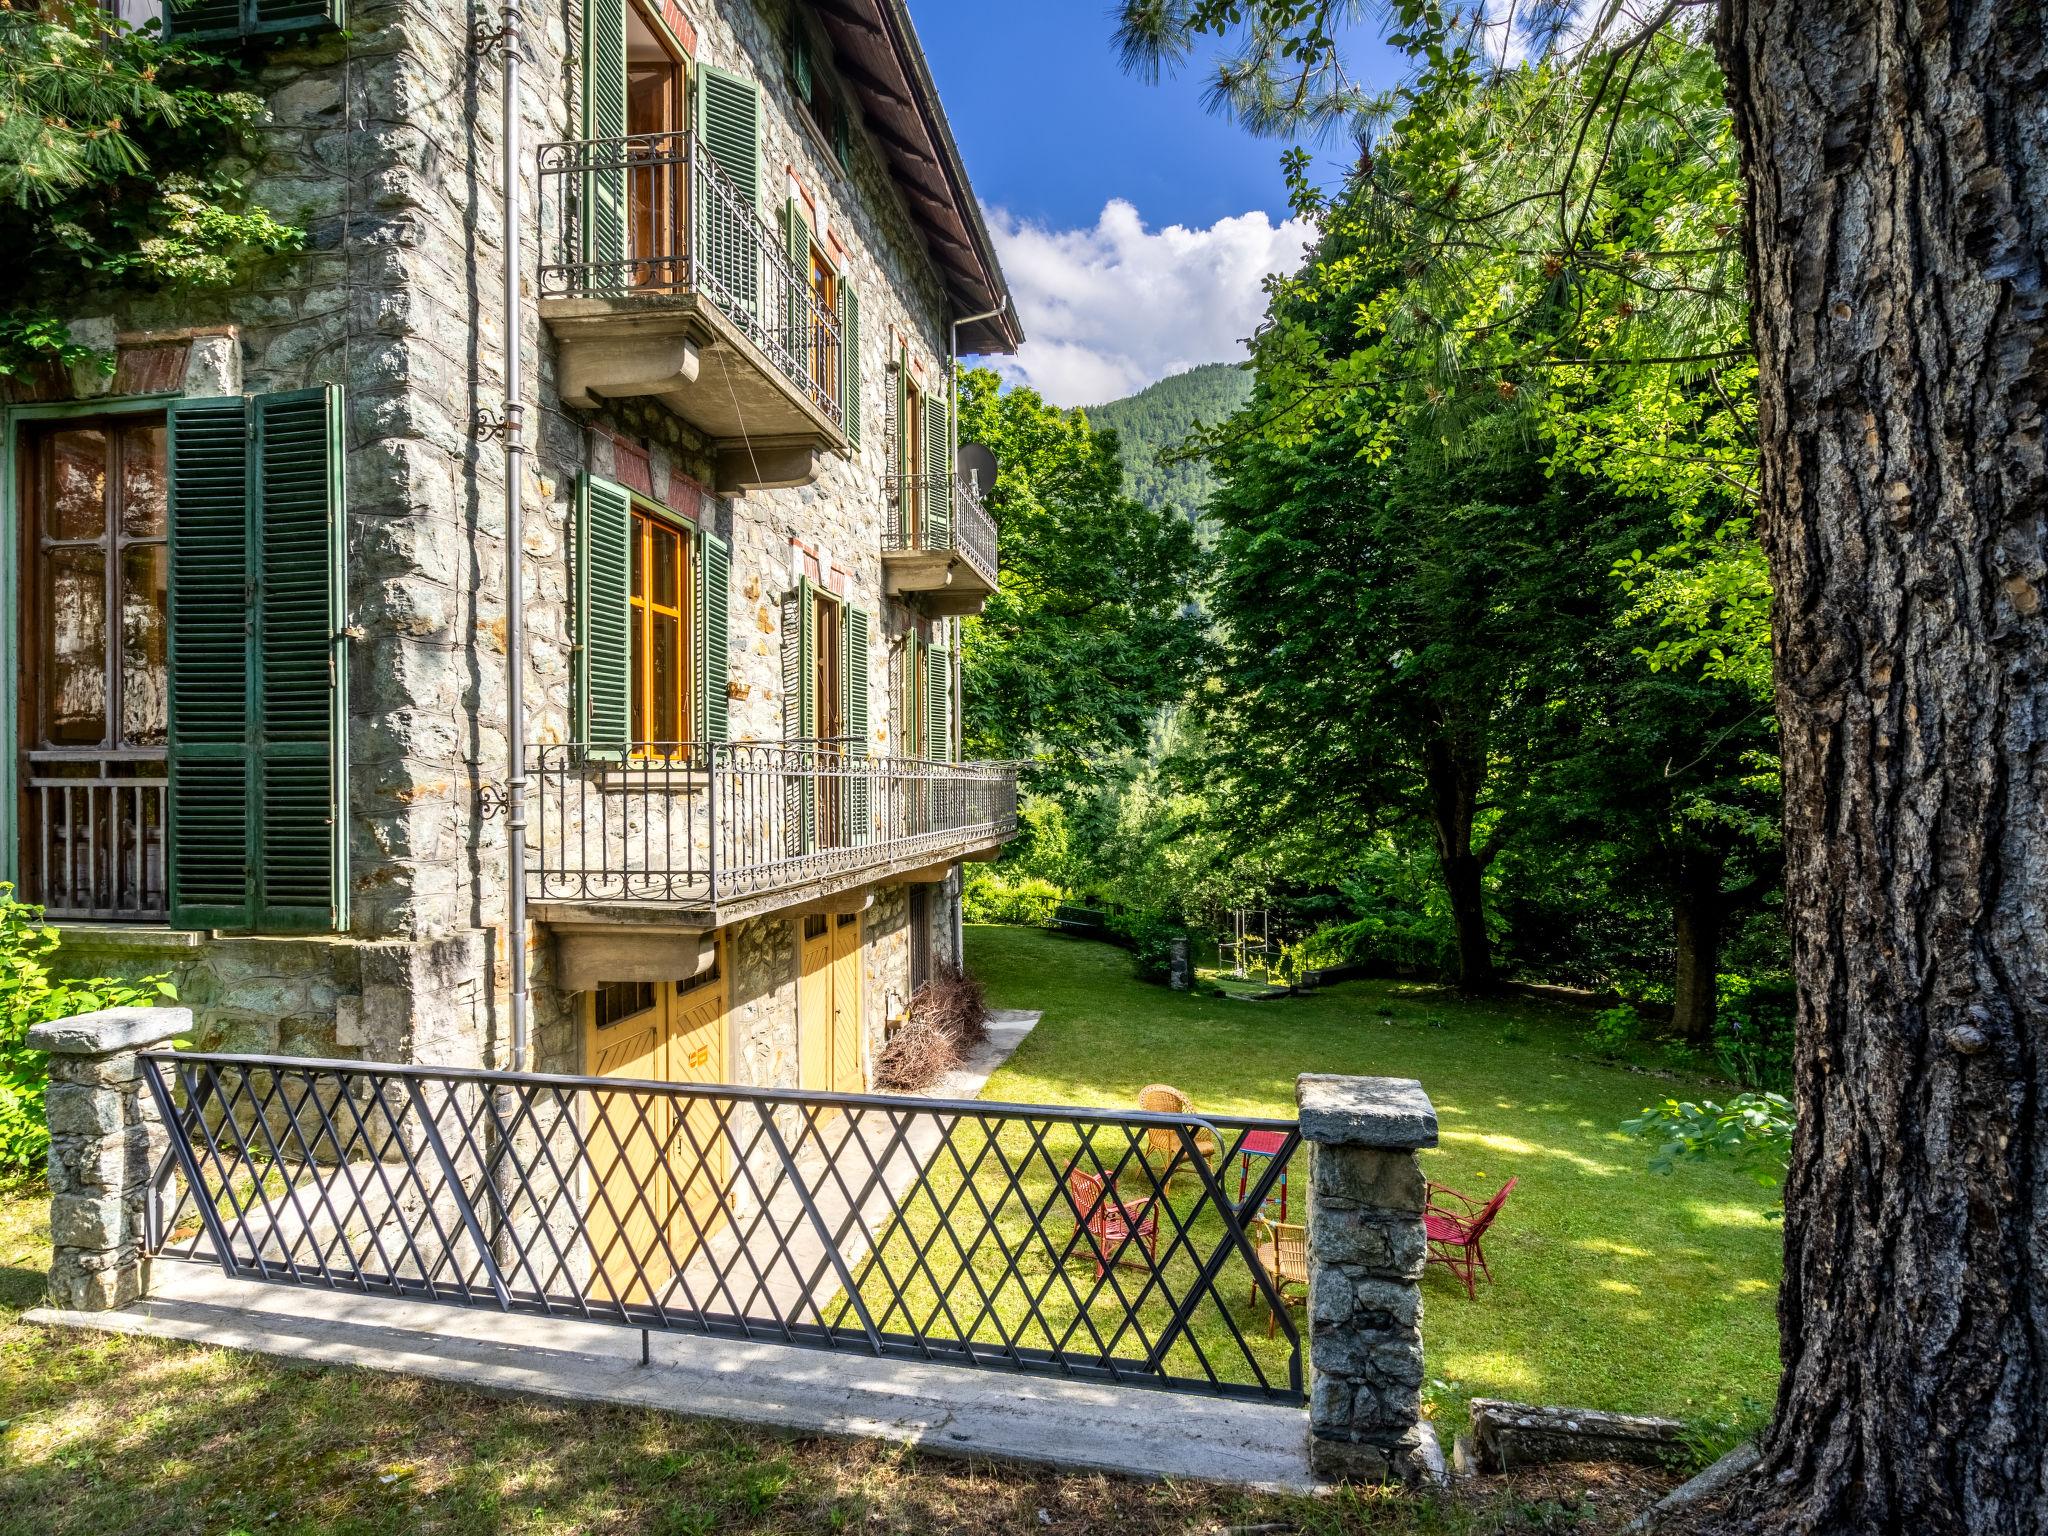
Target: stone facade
383 143
1365 1261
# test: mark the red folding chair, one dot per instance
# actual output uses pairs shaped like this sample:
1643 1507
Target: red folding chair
1454 1233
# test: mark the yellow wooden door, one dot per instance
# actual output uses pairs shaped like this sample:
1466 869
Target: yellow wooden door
700 1148
625 1132
814 1007
846 1073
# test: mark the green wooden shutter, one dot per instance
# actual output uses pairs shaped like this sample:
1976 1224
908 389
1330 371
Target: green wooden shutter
899 436
301 664
729 126
796 234
604 656
201 21
800 714
849 360
604 117
729 118
714 636
212 799
258 834
938 707
799 58
860 626
938 464
842 139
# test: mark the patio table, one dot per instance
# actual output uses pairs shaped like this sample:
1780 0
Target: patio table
1262 1144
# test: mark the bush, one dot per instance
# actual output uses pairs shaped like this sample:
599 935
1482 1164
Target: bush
1613 1030
1753 1030
29 996
1754 1130
1024 900
1150 939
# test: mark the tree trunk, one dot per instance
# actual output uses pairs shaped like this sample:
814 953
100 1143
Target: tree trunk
1897 167
1698 910
1454 773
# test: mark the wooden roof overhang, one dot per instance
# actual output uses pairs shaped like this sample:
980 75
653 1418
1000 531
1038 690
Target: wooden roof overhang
877 55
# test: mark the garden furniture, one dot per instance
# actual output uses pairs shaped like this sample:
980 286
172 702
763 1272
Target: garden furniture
1111 1221
1284 1257
1454 1233
1262 1144
1167 1146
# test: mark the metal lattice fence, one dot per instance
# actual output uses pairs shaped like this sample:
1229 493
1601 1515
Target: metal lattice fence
1093 1244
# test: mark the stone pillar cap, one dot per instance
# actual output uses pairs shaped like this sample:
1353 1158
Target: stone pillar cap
1387 1112
110 1031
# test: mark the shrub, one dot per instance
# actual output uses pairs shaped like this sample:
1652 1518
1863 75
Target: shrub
1023 900
29 995
1753 1030
1613 1030
1150 939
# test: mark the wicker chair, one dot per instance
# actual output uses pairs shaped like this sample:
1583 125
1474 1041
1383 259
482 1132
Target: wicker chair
1164 1148
1112 1222
1284 1257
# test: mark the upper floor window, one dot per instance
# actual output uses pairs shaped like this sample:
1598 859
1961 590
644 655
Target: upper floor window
661 604
820 101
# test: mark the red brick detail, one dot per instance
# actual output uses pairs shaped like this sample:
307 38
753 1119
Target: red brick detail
631 466
685 496
678 23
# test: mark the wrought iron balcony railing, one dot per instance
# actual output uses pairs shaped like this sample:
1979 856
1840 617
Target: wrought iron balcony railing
654 214
965 529
690 824
93 834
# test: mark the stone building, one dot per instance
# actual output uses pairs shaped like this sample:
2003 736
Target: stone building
259 615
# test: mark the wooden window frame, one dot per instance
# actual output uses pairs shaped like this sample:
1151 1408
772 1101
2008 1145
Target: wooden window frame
649 520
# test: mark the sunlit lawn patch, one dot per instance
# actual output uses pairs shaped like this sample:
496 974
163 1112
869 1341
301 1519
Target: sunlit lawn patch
1616 1288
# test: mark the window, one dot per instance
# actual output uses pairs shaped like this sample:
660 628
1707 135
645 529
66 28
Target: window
659 597
820 101
656 109
620 1000
95 690
911 451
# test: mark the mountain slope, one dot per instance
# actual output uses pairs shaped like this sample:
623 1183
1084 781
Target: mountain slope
1158 419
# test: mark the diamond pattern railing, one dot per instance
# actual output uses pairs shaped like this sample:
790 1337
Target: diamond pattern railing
951 1231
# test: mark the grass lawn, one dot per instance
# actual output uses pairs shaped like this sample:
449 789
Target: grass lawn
1616 1288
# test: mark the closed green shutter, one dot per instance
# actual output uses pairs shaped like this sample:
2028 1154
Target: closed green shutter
202 21
714 636
799 58
842 139
212 803
849 361
604 656
800 715
860 626
796 234
938 707
938 478
604 118
258 833
729 126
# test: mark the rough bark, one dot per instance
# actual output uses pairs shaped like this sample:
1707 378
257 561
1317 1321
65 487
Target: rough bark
1897 166
1699 912
1454 773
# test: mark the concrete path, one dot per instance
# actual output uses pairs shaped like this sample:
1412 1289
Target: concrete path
945 1409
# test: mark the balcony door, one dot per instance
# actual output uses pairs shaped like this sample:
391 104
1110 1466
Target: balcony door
95 685
828 663
657 115
660 604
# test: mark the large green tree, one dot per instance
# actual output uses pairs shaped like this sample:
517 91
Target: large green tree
1891 236
1091 631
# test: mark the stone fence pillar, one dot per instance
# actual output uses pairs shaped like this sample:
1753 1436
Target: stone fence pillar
1365 1255
105 1138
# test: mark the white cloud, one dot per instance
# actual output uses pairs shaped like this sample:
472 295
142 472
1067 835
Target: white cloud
1108 310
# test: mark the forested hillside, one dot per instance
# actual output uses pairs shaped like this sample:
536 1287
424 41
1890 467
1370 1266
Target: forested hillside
1158 419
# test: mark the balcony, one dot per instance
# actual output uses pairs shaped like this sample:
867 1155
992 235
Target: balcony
682 839
948 563
659 279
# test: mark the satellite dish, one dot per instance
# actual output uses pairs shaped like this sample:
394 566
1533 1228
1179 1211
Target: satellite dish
977 461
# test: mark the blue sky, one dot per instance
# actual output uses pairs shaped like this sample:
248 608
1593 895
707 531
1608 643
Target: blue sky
1134 226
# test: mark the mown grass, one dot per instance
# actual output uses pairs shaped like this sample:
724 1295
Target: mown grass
1616 1288
100 1434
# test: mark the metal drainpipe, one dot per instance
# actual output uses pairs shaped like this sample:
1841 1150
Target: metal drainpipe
515 573
959 711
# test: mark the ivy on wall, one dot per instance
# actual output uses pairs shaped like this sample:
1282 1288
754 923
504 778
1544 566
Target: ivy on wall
121 160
